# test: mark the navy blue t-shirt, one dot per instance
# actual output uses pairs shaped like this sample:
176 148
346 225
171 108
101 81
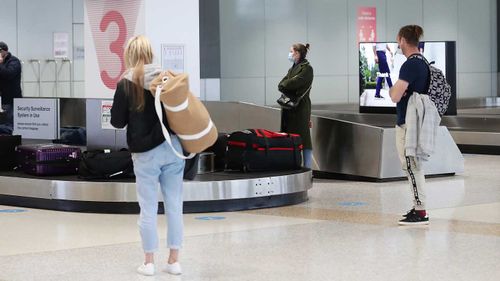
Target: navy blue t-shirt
416 72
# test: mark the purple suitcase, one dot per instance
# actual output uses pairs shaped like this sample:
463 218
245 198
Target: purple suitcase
48 159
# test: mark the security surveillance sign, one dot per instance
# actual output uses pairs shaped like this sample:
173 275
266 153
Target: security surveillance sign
36 118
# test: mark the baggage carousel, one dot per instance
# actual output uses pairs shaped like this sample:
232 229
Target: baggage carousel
214 192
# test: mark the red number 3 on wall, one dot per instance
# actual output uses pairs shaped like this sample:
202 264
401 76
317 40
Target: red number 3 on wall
116 47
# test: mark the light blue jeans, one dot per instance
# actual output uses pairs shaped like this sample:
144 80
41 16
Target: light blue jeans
160 165
307 155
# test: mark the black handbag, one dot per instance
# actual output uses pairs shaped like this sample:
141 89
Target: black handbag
287 102
100 164
191 167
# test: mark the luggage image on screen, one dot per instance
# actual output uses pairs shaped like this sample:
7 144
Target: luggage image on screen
8 145
48 159
72 136
263 150
106 164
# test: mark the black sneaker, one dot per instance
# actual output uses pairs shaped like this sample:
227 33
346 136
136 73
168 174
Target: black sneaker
414 219
412 211
379 97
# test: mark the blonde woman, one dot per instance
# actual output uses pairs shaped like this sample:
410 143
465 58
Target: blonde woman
154 162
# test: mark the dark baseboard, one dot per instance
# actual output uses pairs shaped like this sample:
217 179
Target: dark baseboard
133 207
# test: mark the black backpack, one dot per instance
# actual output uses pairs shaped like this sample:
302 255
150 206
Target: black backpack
439 90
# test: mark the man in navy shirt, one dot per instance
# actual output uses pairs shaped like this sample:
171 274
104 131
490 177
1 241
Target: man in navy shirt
413 77
10 85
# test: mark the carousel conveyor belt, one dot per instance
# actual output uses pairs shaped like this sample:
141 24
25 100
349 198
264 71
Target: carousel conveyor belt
220 191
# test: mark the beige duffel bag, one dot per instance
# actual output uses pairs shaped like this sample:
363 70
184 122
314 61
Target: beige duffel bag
186 114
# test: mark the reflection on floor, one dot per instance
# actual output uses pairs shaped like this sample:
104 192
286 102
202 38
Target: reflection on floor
346 231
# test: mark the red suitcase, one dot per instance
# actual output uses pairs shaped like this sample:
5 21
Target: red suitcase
263 150
48 159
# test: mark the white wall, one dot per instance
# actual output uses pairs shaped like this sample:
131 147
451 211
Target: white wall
8 24
256 36
176 22
28 27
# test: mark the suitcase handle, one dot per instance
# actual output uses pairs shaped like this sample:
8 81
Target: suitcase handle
266 140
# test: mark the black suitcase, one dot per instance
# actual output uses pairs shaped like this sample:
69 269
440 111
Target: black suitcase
8 145
220 150
263 150
106 164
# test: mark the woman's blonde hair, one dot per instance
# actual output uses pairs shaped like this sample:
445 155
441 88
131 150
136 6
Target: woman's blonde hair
138 53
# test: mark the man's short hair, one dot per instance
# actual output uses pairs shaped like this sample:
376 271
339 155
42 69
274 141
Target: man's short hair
3 46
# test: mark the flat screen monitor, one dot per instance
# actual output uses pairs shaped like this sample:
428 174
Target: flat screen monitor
379 66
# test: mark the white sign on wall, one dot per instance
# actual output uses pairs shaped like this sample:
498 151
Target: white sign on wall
36 118
172 58
61 45
106 115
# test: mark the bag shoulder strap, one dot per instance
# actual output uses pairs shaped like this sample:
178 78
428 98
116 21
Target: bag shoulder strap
421 57
308 90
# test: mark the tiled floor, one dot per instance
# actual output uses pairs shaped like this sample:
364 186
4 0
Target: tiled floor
346 231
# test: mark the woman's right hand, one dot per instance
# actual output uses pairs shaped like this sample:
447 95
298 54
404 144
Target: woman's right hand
170 74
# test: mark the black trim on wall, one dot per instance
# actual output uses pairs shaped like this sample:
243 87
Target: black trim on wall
209 39
451 75
479 149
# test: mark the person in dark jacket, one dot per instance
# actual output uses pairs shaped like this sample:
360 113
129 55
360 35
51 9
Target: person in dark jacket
10 85
297 83
154 161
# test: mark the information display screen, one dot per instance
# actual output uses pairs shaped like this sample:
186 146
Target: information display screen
379 65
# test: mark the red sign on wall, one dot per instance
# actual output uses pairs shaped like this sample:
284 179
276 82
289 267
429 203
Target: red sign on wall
112 23
367 24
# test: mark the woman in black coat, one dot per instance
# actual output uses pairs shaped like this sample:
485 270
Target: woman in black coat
295 84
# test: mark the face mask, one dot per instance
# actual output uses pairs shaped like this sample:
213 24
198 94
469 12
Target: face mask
290 57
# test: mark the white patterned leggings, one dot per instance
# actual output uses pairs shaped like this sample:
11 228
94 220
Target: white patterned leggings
414 172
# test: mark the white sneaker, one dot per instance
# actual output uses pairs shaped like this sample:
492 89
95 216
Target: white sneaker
146 269
174 268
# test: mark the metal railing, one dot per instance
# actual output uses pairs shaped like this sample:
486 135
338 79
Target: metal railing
67 60
39 75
